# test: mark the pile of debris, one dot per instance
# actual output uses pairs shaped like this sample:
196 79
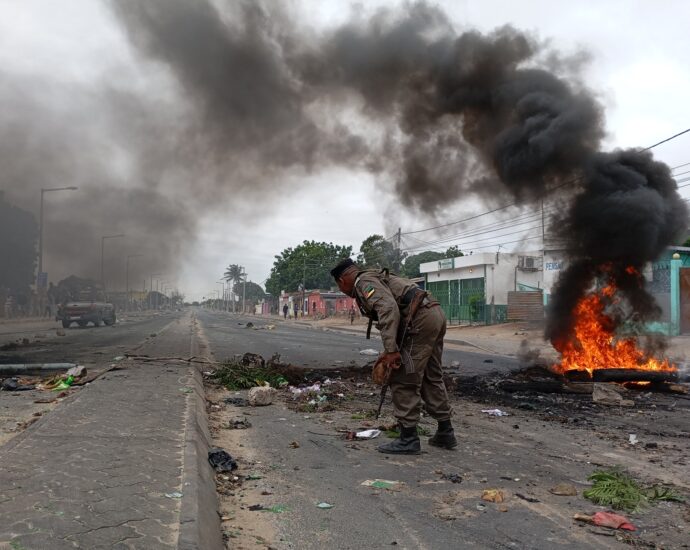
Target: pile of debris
608 387
45 376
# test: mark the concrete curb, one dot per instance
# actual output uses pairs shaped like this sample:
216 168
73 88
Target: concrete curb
199 521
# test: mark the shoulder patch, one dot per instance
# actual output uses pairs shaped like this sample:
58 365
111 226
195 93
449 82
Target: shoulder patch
369 291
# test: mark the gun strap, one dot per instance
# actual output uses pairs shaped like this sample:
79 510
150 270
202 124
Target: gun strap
371 322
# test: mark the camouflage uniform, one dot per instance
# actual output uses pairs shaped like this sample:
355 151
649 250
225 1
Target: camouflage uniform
385 298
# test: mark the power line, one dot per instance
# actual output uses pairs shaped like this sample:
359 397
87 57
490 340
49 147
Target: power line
666 140
553 189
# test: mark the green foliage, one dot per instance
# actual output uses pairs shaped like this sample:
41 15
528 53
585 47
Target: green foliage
236 376
233 273
18 240
686 243
618 490
454 252
253 292
311 261
376 252
412 263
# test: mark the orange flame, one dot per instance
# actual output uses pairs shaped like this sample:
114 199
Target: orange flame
595 345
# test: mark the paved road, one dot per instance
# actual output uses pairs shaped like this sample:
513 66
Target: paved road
310 347
89 345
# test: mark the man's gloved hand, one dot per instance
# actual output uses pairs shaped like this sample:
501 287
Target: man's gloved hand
392 360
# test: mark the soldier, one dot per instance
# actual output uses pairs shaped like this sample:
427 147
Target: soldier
416 374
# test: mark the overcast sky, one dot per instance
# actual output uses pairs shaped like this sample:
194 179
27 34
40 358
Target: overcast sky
638 68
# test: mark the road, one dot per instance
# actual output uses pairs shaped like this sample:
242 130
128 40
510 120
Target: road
302 460
96 466
302 345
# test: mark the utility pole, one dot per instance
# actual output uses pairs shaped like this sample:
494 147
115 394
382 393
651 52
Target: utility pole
129 299
398 253
244 291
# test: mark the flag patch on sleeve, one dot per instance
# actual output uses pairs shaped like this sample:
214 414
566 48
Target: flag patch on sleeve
369 291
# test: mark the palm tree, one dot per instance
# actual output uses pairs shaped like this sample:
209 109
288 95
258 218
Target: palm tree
233 275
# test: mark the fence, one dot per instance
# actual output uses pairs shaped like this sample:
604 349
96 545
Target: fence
464 301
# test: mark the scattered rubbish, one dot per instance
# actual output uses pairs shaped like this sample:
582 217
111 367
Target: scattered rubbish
175 494
564 490
261 396
527 498
64 384
632 439
253 477
651 445
607 394
239 423
314 388
488 360
369 351
249 325
186 390
237 401
502 508
294 445
256 508
59 332
153 335
118 358
221 461
350 436
324 505
607 519
453 478
266 493
12 384
277 509
481 507
368 434
455 364
76 372
381 483
493 495
495 412
270 327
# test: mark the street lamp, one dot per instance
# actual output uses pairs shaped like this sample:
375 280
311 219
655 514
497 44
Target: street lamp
40 227
103 238
127 277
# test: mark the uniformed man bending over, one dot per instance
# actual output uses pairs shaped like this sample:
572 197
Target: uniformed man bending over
416 361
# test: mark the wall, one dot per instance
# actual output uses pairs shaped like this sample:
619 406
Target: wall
498 269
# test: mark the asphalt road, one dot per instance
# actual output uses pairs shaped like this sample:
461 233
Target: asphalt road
303 345
89 345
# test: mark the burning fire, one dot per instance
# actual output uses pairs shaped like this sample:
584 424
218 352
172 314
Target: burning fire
595 345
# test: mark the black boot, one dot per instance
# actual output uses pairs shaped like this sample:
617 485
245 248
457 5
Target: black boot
406 444
444 436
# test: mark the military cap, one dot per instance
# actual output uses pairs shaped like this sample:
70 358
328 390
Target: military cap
342 265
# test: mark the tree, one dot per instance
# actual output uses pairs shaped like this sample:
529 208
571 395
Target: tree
309 263
411 267
18 237
453 252
252 291
378 252
687 243
233 275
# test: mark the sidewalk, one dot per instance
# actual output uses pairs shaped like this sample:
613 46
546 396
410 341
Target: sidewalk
94 473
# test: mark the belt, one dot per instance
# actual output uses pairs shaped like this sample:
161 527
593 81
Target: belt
406 299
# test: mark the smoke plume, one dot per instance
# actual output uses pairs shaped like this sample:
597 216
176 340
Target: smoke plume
248 96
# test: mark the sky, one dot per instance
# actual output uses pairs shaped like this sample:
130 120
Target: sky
637 67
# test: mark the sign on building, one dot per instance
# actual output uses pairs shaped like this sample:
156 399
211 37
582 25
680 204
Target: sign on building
447 263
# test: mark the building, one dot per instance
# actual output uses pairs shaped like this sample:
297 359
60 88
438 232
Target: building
496 287
329 303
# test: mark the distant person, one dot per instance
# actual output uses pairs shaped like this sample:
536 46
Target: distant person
285 311
296 310
352 314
